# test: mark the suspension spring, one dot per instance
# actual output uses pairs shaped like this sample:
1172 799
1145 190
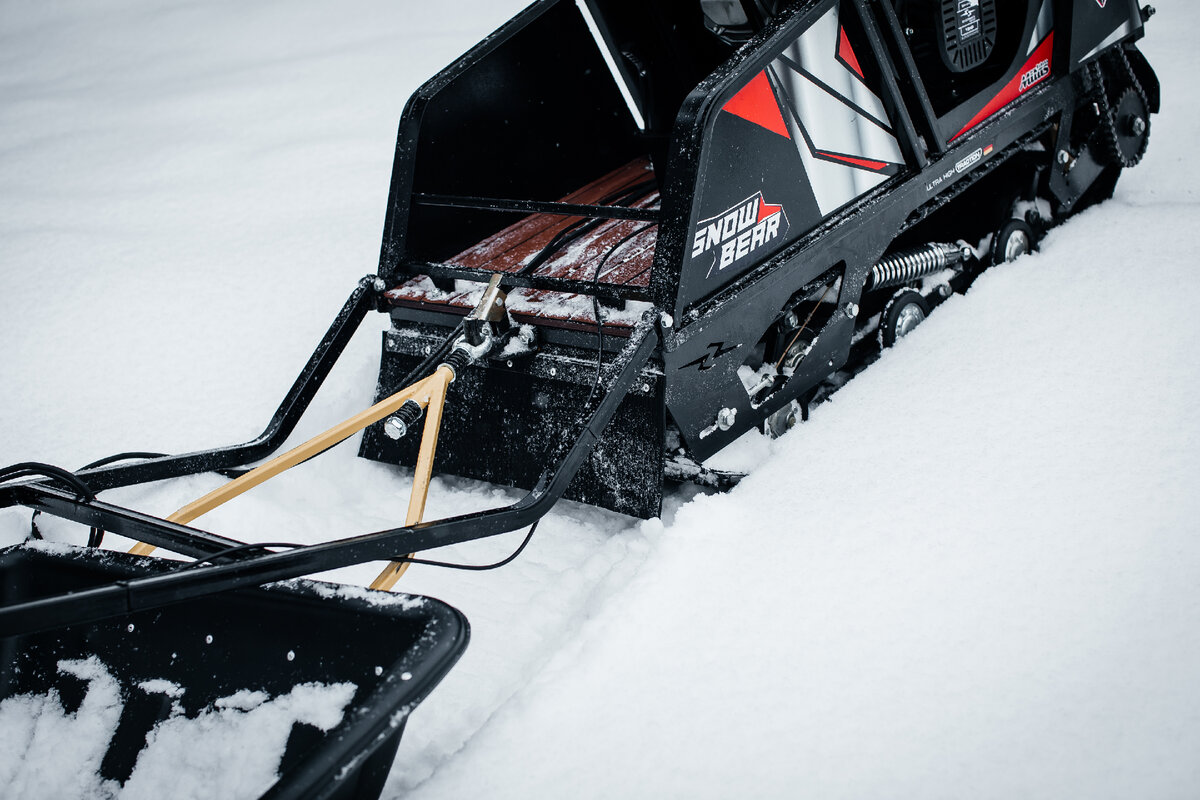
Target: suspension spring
900 268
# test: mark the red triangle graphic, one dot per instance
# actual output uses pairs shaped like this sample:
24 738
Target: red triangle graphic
846 53
755 102
766 210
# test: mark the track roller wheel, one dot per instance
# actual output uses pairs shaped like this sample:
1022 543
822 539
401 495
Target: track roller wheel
906 310
1014 239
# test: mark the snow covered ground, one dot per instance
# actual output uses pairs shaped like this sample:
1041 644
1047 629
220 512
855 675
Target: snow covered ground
975 573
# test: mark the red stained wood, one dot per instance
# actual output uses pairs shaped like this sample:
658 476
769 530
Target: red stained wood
616 253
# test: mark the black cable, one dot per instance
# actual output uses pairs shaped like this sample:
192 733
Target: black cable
574 231
104 462
434 358
29 468
228 551
422 561
473 567
596 303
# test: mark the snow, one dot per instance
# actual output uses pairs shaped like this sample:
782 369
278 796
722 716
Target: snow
975 572
50 753
232 750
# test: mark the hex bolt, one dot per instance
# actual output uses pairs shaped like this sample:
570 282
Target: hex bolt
665 319
395 428
378 284
726 418
1138 125
1064 157
850 310
790 320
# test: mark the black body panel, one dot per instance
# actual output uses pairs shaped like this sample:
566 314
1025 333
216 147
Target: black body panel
502 423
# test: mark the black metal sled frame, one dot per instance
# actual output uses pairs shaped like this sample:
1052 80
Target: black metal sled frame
238 570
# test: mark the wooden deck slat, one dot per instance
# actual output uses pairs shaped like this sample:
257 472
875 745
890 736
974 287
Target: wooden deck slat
511 248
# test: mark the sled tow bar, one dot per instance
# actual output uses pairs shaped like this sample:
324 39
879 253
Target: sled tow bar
122 597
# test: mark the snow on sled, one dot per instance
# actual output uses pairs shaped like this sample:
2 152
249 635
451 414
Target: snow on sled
619 236
309 680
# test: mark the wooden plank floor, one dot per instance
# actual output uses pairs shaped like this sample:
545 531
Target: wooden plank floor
612 252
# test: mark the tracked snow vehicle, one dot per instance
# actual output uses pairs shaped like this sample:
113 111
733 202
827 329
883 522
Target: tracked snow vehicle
776 180
618 237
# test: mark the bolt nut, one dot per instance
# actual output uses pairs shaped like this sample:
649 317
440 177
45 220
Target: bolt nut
395 428
944 290
726 418
665 319
1064 157
378 284
850 310
790 320
1138 125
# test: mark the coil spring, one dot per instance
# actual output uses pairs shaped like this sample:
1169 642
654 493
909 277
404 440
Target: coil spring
900 268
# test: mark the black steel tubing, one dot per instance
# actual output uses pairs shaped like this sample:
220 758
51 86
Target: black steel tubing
134 595
537 207
294 404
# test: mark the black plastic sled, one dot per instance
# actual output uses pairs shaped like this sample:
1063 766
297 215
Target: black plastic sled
393 648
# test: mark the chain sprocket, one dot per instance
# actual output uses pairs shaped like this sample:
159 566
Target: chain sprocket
1124 109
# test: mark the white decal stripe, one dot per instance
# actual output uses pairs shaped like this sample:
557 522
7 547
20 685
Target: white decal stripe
1120 33
833 185
612 64
1045 23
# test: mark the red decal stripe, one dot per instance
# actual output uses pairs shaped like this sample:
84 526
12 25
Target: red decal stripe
1013 89
863 163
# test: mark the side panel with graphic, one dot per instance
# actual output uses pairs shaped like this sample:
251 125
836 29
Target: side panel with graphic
977 57
1096 25
796 141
